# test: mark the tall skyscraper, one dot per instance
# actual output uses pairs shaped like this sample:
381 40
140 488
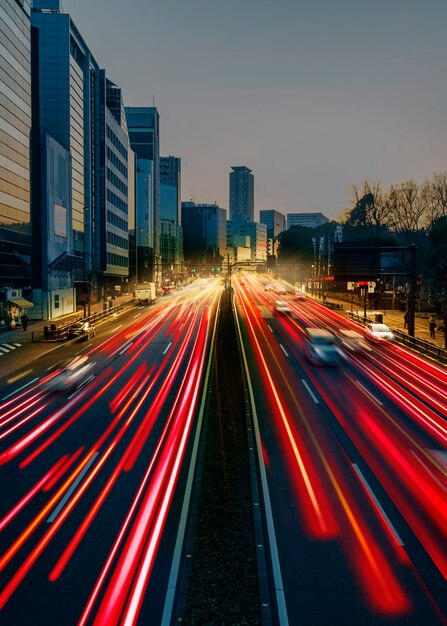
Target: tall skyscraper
170 188
241 193
171 234
15 126
143 124
80 169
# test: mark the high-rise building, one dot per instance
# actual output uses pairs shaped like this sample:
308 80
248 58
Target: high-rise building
241 193
171 237
80 186
170 188
204 231
15 126
143 125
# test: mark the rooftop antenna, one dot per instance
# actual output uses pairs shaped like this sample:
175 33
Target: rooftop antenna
153 100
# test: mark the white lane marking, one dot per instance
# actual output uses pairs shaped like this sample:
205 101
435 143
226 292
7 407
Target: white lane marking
72 489
283 349
10 346
81 387
20 389
368 393
126 348
379 506
270 328
167 347
313 396
3 351
115 329
18 345
137 315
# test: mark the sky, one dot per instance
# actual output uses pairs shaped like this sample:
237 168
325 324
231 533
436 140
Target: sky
314 96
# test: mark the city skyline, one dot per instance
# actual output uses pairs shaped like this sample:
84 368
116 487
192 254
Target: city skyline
312 98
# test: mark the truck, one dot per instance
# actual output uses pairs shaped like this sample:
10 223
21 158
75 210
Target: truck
145 292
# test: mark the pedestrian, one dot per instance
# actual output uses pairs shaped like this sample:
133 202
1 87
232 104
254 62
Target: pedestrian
432 326
24 321
406 319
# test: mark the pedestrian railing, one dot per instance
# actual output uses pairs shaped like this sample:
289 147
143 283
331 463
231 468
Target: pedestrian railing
53 333
420 345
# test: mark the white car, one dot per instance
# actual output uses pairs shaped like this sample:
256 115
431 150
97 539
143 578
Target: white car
282 308
378 332
268 287
321 347
76 373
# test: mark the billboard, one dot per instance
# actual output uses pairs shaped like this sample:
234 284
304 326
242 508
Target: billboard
353 262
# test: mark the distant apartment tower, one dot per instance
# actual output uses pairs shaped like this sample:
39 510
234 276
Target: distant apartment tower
171 234
15 122
144 133
204 233
309 220
241 193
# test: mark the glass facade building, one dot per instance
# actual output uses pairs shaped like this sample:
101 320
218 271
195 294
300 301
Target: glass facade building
241 193
204 233
275 222
171 242
15 128
81 110
143 125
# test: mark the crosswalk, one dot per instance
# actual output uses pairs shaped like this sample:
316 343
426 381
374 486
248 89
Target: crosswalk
8 347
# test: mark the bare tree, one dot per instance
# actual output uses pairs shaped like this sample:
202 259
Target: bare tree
404 207
368 205
434 196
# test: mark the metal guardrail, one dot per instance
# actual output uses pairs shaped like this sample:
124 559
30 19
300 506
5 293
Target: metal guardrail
53 333
421 346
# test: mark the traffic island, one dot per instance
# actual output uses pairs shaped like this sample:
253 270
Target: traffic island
223 584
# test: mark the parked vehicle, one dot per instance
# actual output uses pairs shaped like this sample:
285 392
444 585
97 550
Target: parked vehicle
145 292
321 348
80 330
378 333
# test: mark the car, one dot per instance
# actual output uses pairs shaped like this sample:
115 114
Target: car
282 308
74 374
300 297
321 347
280 290
80 330
378 333
268 287
352 341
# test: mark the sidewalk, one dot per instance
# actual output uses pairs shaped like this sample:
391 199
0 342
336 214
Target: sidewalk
26 336
395 320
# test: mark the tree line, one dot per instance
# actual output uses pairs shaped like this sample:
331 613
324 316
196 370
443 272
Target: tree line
405 213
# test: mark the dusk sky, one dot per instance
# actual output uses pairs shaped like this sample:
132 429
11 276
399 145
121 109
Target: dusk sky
312 95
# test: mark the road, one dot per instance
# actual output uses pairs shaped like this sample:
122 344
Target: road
353 466
94 478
